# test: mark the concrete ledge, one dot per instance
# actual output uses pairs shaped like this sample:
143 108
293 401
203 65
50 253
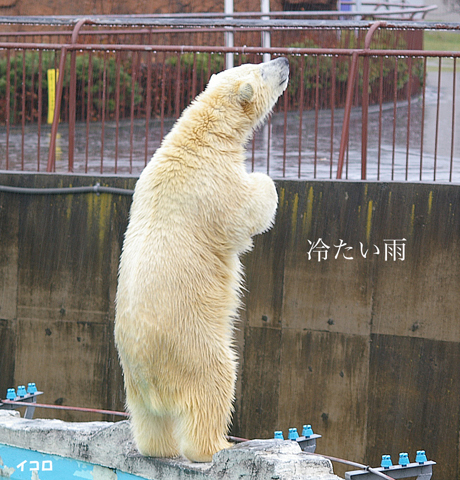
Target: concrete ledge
111 445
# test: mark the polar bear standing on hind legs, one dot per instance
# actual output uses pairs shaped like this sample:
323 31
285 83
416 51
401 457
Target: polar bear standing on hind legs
194 211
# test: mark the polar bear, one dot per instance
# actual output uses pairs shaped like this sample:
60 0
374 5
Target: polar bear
194 211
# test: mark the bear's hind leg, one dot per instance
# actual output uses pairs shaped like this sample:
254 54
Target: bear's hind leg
205 413
201 429
154 434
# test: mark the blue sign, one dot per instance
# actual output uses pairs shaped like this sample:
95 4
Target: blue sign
20 464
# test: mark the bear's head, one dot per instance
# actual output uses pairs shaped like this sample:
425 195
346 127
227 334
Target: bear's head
247 94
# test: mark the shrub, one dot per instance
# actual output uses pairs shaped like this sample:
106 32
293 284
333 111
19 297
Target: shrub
24 68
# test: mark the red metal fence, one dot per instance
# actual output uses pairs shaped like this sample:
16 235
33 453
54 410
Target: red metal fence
365 100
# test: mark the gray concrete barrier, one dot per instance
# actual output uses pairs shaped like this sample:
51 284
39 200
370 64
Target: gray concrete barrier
110 446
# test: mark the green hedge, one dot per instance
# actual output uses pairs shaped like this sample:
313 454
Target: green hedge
317 80
25 65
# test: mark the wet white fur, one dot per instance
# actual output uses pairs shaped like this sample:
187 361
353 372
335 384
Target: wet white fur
194 211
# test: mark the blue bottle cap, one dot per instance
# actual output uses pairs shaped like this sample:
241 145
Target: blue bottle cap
293 435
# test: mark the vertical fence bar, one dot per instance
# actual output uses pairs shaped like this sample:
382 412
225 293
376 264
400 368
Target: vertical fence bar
315 161
103 102
82 92
452 142
365 101
15 88
99 81
39 109
32 91
131 131
51 166
73 92
162 108
347 111
123 88
409 93
72 107
364 116
437 121
23 106
302 69
88 107
8 74
209 68
194 77
149 105
422 131
117 106
395 100
379 148
178 85
137 71
333 75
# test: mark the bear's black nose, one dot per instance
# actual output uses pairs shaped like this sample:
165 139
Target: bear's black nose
282 61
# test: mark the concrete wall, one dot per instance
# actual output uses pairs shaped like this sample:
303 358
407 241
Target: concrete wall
58 267
366 349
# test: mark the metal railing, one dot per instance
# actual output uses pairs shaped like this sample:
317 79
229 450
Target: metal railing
365 99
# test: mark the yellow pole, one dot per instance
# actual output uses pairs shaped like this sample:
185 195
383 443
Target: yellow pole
53 75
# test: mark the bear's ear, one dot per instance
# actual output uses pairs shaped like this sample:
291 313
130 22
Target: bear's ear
245 92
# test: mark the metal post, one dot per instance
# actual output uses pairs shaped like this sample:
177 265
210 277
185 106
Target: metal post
364 117
266 40
72 106
365 97
52 148
228 7
73 91
347 112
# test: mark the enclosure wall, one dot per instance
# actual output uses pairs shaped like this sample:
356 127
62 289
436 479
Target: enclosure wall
363 344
